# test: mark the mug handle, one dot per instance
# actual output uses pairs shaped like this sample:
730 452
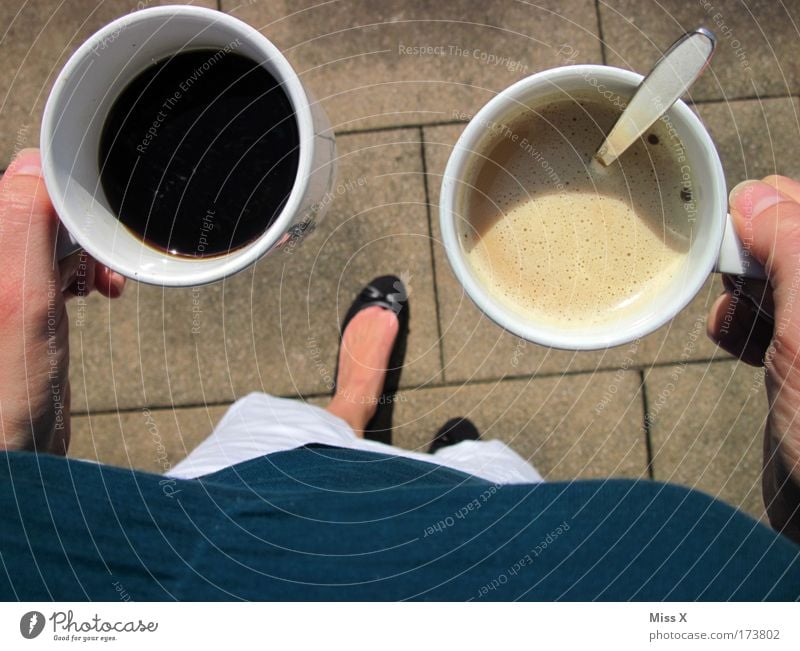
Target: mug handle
66 245
734 259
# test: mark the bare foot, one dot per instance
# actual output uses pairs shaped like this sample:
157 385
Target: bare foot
364 355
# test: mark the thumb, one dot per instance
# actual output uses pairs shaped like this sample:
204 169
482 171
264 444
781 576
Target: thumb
768 223
27 221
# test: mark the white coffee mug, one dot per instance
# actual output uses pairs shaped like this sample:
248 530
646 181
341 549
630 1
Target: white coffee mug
76 111
714 245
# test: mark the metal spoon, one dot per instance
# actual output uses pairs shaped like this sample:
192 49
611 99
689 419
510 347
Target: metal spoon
670 78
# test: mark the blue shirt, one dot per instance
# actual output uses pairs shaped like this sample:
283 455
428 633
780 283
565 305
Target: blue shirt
322 523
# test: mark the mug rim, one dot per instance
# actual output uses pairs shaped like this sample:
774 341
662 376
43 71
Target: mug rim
226 264
466 148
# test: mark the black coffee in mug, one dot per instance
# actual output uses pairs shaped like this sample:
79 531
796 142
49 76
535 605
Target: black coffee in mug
199 153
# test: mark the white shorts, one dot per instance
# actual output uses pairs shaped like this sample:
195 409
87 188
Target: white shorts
260 424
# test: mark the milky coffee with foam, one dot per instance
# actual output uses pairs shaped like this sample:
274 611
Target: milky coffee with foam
560 239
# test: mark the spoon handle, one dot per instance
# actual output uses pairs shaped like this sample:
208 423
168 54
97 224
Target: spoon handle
671 77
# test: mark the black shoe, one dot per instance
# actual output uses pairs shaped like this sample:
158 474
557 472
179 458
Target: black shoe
454 431
390 293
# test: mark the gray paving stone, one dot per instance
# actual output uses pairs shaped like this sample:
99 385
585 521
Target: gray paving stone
275 326
38 38
586 426
580 426
755 138
707 424
150 440
684 337
399 62
757 42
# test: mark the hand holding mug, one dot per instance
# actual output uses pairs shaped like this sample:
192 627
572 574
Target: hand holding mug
766 215
34 334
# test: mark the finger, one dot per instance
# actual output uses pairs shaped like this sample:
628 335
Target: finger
83 270
785 185
77 274
758 292
109 283
28 221
735 326
768 222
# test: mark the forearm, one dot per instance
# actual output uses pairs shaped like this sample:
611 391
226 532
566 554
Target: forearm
44 428
34 326
26 439
781 473
781 493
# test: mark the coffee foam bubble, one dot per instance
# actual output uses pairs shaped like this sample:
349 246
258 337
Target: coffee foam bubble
557 237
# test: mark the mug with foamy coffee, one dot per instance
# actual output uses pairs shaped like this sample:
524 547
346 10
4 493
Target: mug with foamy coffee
563 251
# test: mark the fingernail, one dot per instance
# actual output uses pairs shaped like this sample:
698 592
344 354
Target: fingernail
751 198
27 161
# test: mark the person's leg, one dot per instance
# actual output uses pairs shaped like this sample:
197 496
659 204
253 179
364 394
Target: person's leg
457 445
454 431
260 424
492 460
363 358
